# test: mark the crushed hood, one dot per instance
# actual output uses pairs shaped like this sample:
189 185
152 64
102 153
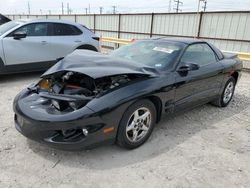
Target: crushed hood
97 65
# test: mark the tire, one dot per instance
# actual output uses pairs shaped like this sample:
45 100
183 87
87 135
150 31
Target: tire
221 101
143 125
87 47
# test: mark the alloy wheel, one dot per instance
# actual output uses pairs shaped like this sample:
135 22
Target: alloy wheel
138 124
228 93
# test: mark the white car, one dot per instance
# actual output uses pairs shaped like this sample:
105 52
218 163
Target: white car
38 44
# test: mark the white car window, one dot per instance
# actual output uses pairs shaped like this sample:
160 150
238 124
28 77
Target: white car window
36 29
65 30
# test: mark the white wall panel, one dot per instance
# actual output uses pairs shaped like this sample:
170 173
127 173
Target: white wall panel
226 25
133 36
107 22
175 24
87 20
41 16
54 17
68 17
31 17
136 23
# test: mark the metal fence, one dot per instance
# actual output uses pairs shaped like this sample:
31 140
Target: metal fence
229 31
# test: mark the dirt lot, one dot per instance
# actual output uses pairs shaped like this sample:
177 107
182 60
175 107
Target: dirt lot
206 147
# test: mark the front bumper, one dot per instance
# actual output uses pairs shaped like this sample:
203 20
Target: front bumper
53 134
54 137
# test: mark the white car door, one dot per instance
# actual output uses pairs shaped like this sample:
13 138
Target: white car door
30 49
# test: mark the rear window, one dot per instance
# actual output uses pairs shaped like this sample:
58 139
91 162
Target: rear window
60 29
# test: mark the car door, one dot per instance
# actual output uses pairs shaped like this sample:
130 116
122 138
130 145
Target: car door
31 48
200 84
63 39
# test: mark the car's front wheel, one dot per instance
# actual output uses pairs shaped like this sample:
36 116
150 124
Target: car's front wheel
227 93
136 124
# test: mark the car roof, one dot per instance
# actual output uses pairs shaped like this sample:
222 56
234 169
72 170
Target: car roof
47 20
185 40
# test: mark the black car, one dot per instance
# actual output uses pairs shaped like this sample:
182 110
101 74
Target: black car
89 98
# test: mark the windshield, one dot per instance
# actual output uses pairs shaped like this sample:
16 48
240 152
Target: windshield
7 26
157 54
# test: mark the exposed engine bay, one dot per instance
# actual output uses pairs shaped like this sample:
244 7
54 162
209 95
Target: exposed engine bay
70 91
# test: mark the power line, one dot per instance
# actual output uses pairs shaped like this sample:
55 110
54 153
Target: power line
178 3
28 7
62 8
169 6
205 5
67 8
101 8
114 9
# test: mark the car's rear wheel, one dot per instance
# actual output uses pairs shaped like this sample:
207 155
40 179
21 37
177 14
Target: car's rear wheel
136 124
87 47
227 93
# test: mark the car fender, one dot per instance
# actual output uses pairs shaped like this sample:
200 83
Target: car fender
125 96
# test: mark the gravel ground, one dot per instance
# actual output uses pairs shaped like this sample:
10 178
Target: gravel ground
205 147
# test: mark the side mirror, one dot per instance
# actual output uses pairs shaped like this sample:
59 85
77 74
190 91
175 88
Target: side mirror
19 35
186 67
194 66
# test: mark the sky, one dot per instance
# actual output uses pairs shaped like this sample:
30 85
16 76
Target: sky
122 6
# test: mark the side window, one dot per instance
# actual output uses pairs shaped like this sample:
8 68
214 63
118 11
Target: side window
65 29
37 29
200 54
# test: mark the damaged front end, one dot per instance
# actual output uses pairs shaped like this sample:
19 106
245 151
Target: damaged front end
55 109
67 91
71 106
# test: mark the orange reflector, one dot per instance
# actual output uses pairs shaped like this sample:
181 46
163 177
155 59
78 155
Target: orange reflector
44 84
108 130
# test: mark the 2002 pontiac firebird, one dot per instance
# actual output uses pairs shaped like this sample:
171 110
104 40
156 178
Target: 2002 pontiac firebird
89 98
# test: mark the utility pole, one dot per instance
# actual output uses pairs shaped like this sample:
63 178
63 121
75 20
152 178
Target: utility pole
49 12
41 11
169 6
205 5
114 9
62 8
89 8
86 9
178 3
28 7
101 8
67 8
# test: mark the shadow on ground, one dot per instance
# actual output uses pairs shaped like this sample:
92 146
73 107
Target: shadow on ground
167 135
